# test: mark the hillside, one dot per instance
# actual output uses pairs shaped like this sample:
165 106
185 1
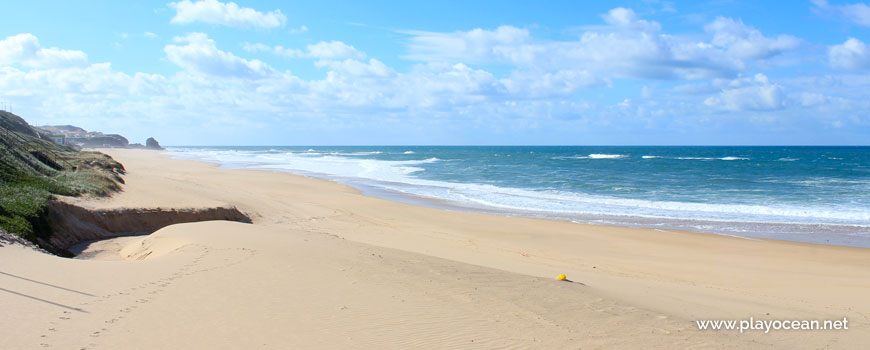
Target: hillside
9 121
34 170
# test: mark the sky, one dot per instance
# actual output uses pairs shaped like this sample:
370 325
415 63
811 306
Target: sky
646 72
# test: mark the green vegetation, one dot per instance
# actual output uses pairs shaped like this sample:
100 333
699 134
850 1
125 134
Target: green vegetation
33 171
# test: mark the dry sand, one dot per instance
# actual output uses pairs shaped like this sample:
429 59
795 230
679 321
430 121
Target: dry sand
323 266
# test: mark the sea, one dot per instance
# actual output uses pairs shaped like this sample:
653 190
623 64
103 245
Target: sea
805 194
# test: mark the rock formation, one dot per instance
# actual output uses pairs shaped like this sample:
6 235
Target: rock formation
151 143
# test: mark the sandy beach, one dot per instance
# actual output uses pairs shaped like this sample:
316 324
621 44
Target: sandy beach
323 266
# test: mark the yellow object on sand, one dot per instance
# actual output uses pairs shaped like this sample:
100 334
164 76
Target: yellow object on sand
561 277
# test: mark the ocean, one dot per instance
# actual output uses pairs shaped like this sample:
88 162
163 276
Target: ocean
805 194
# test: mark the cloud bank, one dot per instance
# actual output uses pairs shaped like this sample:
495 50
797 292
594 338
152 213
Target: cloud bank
484 81
228 14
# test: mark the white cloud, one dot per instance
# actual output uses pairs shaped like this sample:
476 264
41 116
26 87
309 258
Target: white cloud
300 30
743 41
150 35
24 49
476 45
532 84
200 54
228 14
326 50
626 19
444 87
748 94
808 99
543 87
357 68
333 50
852 55
256 47
858 13
626 47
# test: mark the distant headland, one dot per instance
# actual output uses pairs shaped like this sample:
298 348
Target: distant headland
75 136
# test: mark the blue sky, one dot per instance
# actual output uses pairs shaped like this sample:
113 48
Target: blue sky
444 72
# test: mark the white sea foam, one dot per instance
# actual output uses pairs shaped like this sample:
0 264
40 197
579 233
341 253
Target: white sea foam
592 156
650 157
712 158
568 202
566 157
408 152
606 156
827 181
355 153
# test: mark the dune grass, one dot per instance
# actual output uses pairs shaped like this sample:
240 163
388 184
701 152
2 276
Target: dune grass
28 181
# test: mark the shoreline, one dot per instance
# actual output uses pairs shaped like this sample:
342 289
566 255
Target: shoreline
443 204
319 243
438 203
814 232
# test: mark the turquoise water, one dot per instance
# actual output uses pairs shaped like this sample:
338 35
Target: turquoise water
808 194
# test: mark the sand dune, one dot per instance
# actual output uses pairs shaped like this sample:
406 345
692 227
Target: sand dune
230 285
325 267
